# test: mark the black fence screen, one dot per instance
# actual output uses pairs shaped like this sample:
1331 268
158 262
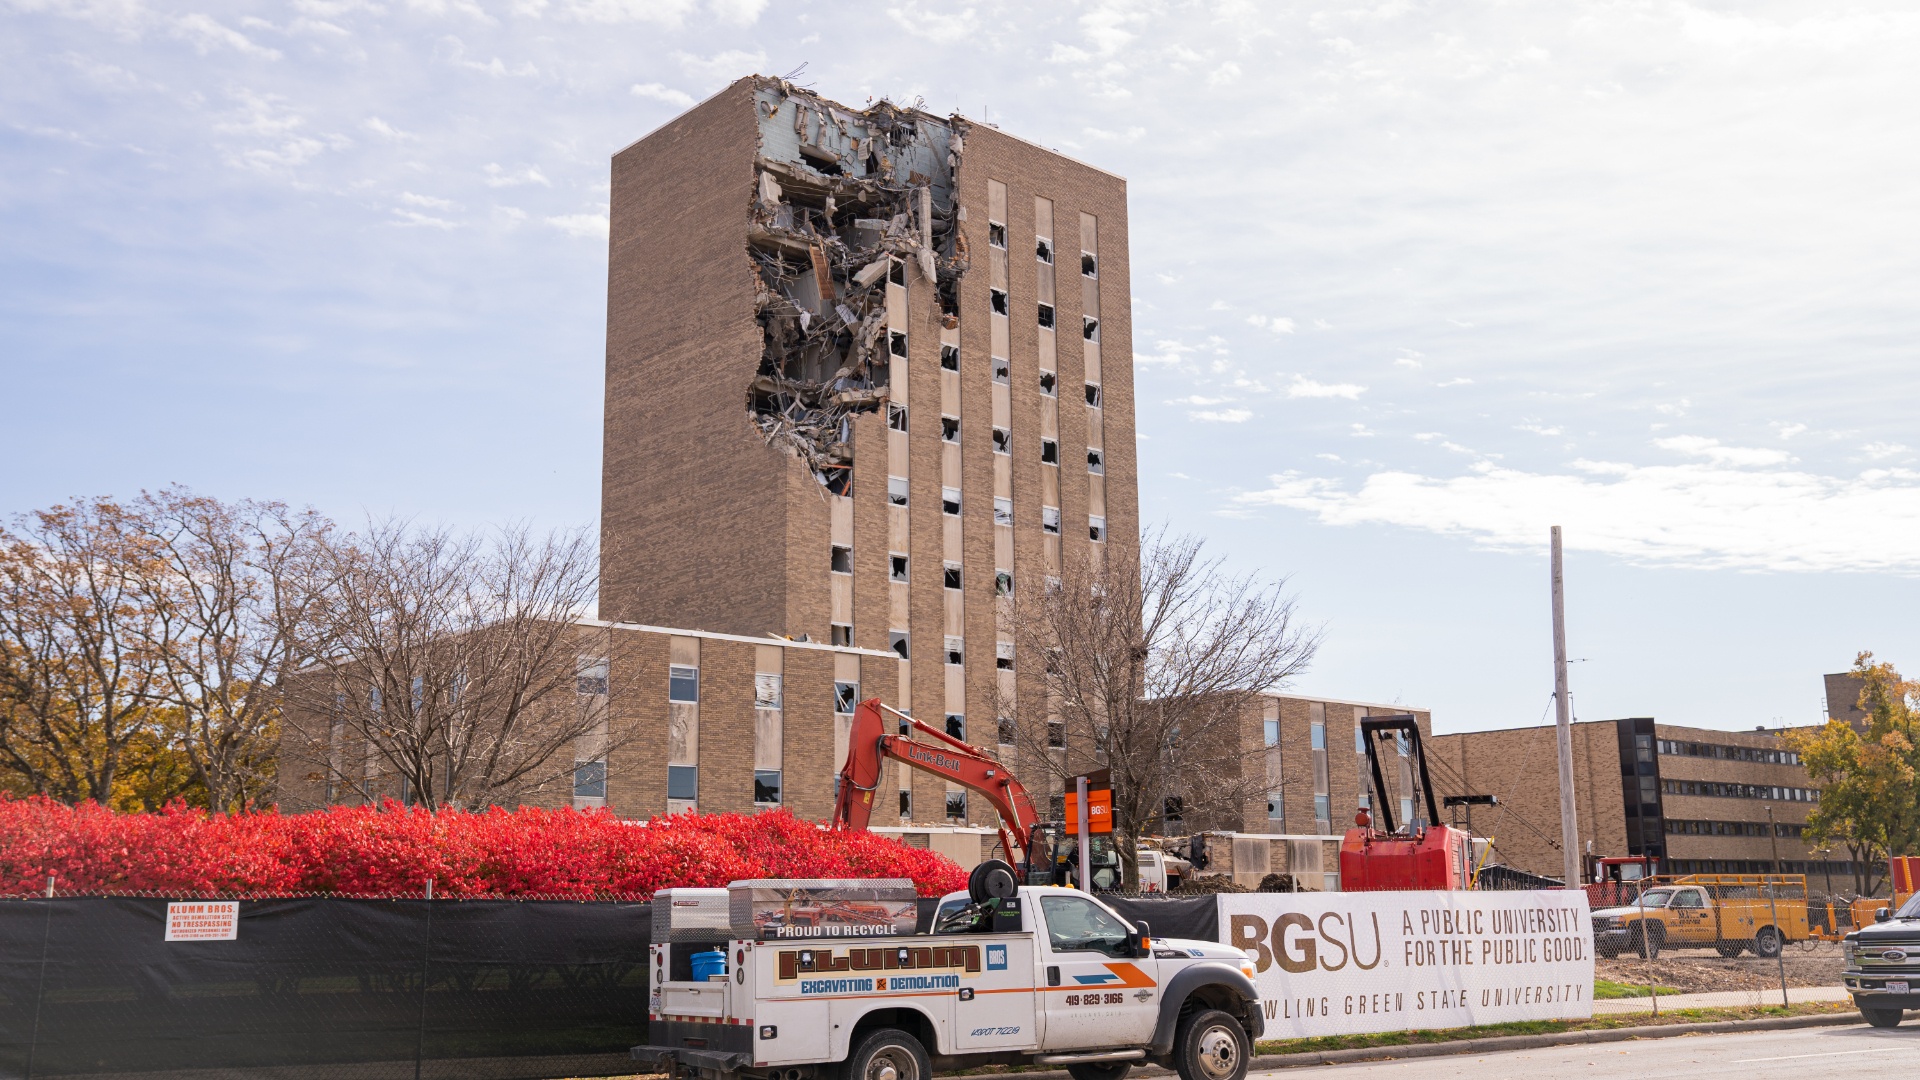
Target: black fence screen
325 988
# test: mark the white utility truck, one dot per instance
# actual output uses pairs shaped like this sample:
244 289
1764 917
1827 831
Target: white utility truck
830 980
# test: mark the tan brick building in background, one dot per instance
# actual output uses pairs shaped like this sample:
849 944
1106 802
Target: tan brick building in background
1695 797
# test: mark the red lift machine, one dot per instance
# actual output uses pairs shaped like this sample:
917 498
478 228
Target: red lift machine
1412 856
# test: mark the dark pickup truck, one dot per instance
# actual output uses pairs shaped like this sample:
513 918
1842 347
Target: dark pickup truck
1883 965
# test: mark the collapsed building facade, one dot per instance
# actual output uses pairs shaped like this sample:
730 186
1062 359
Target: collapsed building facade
868 372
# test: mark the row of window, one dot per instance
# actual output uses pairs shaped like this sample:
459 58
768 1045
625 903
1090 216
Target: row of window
1725 752
1733 828
898 420
1758 866
1002 510
1042 249
1739 791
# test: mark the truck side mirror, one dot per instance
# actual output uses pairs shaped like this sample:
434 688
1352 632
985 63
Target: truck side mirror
1882 914
1140 942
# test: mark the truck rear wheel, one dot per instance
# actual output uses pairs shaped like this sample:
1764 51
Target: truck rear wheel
1766 942
888 1054
1211 1045
1099 1070
1648 939
1730 949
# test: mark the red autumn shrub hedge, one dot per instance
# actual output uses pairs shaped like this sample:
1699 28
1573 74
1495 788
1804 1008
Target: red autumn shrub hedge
365 851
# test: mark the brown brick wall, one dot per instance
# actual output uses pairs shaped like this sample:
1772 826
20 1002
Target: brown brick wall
693 504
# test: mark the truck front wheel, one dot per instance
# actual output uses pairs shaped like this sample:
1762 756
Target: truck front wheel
1882 1018
1648 939
888 1054
1767 942
1211 1045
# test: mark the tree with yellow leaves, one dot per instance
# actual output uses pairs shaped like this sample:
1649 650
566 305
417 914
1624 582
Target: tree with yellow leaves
1870 794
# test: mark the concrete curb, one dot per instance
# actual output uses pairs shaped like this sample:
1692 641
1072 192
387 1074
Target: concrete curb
1270 1062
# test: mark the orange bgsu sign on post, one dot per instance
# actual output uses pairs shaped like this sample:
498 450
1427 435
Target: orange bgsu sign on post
1099 811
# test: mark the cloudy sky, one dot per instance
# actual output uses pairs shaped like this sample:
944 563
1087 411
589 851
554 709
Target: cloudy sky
1415 281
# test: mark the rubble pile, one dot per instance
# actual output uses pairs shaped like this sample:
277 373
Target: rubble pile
846 203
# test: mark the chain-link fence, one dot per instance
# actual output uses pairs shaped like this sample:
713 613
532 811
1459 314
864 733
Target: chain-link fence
1721 939
324 988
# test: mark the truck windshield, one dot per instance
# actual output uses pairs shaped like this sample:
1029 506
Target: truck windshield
1076 924
1910 909
1654 898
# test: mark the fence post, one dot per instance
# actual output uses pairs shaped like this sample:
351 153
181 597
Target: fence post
426 957
40 991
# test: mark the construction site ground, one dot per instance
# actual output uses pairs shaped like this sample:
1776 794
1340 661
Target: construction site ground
1703 971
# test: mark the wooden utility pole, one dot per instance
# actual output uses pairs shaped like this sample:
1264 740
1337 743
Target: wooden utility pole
1563 722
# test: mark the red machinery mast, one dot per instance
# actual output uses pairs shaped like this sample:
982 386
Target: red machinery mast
870 743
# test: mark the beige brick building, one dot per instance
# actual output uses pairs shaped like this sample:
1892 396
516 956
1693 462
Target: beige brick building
1695 797
867 371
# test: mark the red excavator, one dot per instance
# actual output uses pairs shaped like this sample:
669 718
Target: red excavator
870 743
1417 855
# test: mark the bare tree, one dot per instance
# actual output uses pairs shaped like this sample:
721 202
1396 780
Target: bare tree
232 607
448 660
1151 672
79 689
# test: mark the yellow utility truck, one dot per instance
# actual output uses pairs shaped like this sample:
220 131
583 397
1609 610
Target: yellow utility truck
1729 913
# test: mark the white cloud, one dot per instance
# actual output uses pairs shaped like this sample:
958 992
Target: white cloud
1277 323
1880 451
1224 74
665 12
413 218
387 131
581 224
737 12
924 22
207 33
1535 427
499 177
659 92
1304 387
1788 431
1699 515
1196 399
427 201
722 67
1458 381
1221 416
1712 450
1168 353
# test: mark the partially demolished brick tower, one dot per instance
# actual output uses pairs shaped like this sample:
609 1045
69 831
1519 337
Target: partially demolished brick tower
867 369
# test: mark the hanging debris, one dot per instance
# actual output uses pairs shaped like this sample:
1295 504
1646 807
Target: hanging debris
846 203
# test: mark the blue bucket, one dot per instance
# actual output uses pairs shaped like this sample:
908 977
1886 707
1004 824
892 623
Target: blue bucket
706 965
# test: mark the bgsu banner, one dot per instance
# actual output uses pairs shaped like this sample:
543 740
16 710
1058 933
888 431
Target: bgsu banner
1343 963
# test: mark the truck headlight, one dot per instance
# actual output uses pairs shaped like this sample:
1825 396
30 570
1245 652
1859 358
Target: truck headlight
1847 953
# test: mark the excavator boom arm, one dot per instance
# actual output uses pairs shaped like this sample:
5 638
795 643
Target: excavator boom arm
869 744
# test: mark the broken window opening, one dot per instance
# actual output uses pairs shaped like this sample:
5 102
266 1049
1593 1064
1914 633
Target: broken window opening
996 235
1003 655
1049 382
950 357
1089 267
1008 732
950 429
897 343
897 417
1003 583
1049 452
837 479
1002 370
840 634
950 501
1050 520
1057 734
1002 441
1043 250
955 651
896 566
957 726
1096 461
897 272
1093 395
1090 328
1003 511
1046 316
897 490
956 806
999 299
842 559
1096 529
906 804
897 641
951 577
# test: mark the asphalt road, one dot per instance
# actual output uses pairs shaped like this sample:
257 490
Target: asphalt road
1856 1053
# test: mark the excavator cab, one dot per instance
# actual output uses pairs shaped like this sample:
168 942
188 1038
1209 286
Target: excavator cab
1057 858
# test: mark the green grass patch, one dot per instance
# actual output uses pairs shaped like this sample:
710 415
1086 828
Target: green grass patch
1607 988
1545 1027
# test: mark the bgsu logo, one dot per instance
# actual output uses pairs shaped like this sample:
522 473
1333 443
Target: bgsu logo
1297 945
